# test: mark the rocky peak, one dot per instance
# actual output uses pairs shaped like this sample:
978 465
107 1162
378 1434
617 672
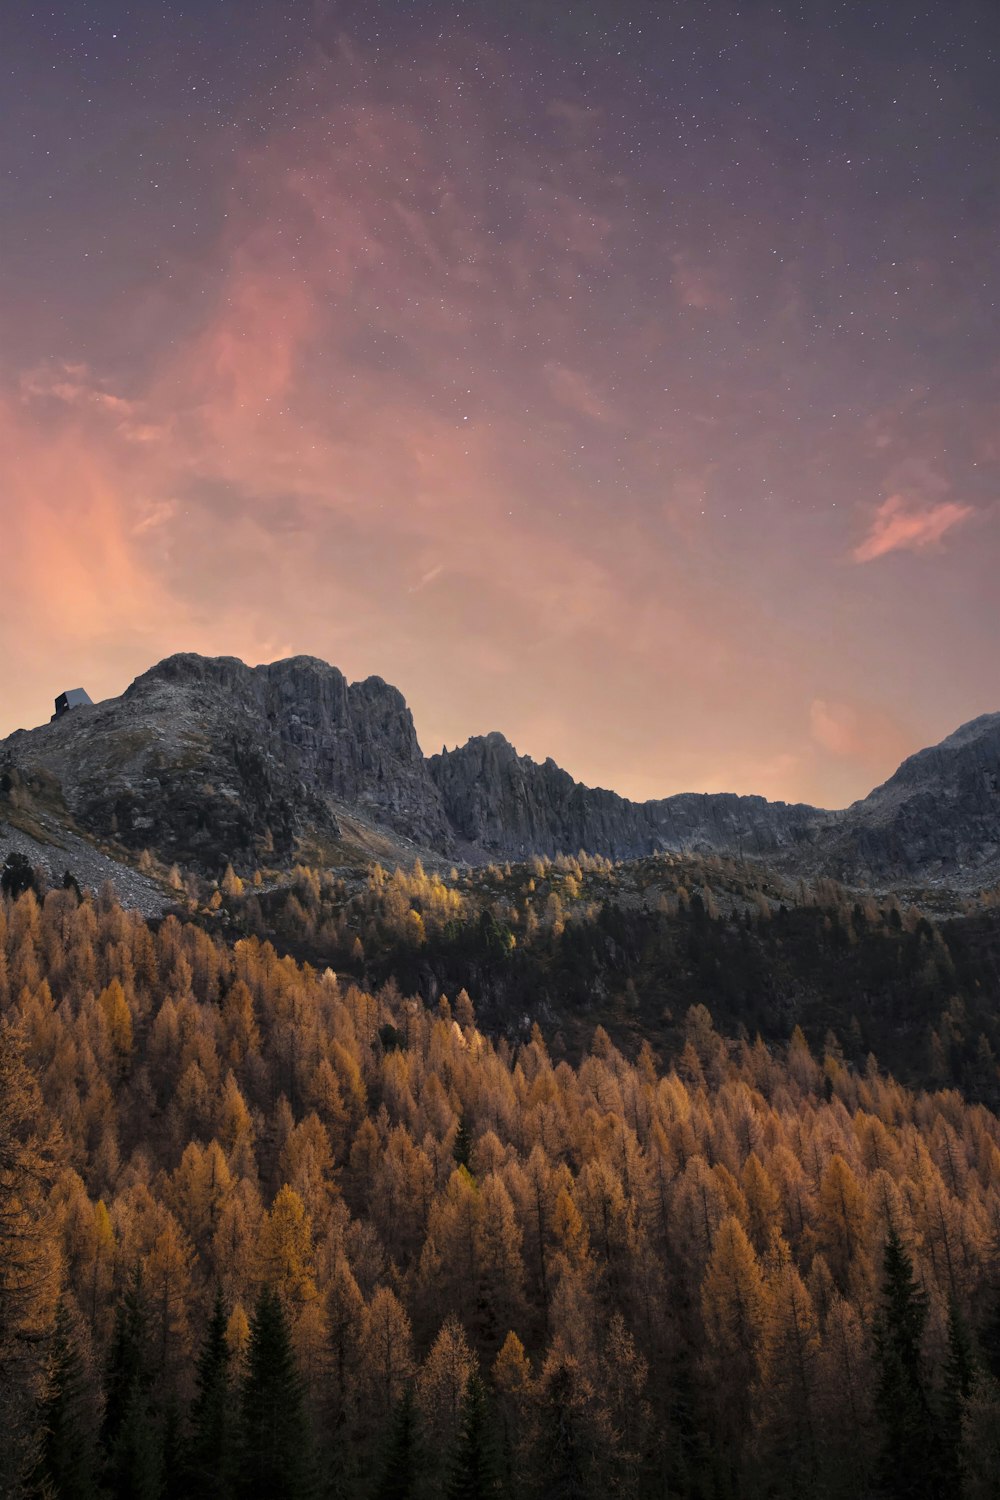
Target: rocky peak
936 820
510 805
205 758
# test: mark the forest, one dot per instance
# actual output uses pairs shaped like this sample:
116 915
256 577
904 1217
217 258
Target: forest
273 1228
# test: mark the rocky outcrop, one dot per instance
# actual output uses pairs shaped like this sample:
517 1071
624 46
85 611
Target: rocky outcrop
505 805
936 821
204 759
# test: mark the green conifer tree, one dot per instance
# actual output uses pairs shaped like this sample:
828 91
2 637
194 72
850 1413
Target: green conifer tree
909 1459
211 1453
980 1462
128 1359
959 1375
474 1468
462 1149
989 1334
175 1478
131 1438
404 1462
135 1463
275 1450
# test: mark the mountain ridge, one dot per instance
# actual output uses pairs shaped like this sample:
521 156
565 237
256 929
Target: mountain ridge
206 758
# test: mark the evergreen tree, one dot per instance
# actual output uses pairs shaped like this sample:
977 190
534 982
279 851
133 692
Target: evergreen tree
132 1446
980 1462
474 1468
274 1445
175 1479
128 1358
67 1461
462 1149
959 1375
211 1457
135 1460
404 1462
17 875
908 1458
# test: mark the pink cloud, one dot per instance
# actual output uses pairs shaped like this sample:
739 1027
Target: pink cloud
572 389
698 286
397 435
860 732
899 526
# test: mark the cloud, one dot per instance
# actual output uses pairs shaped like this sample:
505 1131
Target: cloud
75 386
900 526
859 732
698 286
572 389
443 396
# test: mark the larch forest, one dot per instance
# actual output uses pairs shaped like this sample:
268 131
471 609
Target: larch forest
269 1227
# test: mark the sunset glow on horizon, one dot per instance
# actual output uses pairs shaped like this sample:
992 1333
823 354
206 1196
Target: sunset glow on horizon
628 385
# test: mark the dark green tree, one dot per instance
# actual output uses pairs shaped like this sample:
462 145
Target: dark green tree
17 875
462 1149
403 1463
67 1466
959 1375
909 1466
474 1466
131 1437
135 1458
275 1449
212 1449
173 1448
980 1462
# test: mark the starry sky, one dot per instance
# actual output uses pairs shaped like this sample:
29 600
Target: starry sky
623 376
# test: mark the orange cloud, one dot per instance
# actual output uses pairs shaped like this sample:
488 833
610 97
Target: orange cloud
859 732
899 526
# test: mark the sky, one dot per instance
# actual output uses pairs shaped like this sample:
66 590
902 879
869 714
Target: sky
621 376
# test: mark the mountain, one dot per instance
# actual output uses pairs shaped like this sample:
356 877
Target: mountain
206 759
936 820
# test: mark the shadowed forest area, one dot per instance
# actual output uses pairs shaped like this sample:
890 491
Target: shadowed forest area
578 942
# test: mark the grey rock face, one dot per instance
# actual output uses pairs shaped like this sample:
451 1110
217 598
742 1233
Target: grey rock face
204 758
508 806
936 820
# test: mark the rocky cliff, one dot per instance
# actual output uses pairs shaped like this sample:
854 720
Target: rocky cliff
508 806
207 759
